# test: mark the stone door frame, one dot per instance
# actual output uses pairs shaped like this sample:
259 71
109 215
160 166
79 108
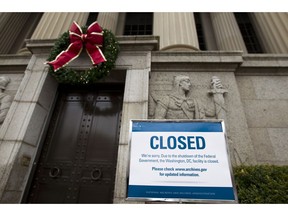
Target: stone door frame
28 118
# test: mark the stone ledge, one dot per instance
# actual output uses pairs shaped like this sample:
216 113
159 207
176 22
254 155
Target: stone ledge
40 46
265 60
11 64
198 56
196 61
138 43
264 64
135 43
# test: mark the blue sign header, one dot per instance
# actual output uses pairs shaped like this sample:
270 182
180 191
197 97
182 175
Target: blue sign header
142 126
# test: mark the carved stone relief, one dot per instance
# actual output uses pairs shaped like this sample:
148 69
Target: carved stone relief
179 105
5 99
217 91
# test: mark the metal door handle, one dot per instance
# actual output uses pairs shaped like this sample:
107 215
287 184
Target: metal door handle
54 172
94 176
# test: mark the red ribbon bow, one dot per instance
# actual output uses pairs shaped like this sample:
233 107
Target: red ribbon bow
92 41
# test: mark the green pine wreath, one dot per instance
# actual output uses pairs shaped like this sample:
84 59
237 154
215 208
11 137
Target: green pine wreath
66 75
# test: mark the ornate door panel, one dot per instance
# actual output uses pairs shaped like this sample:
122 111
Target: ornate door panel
78 160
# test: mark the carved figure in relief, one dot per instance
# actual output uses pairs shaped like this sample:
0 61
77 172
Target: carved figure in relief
218 92
178 105
5 99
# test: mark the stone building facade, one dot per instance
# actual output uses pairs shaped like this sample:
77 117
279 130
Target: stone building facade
250 69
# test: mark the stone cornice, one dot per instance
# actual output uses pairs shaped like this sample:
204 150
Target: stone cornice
264 64
127 43
202 61
138 43
14 63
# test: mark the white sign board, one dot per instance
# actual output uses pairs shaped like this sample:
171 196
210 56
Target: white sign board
179 160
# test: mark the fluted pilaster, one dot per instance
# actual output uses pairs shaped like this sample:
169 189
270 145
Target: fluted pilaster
10 28
52 25
108 21
4 17
227 32
272 29
177 31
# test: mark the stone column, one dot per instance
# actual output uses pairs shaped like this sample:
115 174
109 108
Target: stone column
11 25
208 31
52 25
272 30
108 21
227 33
177 31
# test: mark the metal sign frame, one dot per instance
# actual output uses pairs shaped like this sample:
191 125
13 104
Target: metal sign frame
169 125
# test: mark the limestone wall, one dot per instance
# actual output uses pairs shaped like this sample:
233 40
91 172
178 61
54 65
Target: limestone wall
265 102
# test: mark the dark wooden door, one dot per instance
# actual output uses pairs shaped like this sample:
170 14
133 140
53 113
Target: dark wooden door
78 160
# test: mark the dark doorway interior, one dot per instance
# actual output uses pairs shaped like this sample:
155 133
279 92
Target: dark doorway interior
78 159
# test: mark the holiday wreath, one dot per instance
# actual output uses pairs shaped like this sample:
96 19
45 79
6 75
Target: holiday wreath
101 46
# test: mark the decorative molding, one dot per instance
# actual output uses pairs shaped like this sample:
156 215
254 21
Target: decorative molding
217 61
263 65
